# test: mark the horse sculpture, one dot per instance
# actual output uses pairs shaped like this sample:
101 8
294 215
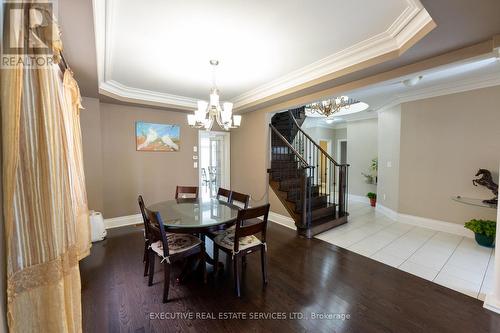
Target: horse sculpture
487 181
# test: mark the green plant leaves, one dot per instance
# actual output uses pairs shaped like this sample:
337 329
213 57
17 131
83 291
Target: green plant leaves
483 227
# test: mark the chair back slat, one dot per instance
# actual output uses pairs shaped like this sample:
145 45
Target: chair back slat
244 199
144 216
158 229
254 228
251 229
186 190
223 193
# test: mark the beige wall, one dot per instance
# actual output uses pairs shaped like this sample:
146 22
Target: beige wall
361 149
389 134
444 141
90 122
116 173
249 157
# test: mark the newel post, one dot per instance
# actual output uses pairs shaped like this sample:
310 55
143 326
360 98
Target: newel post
304 197
342 189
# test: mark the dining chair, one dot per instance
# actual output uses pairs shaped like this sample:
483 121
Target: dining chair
212 171
147 243
204 176
241 241
191 190
239 199
170 248
224 194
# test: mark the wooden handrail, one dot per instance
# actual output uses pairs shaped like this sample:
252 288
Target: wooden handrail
314 142
285 141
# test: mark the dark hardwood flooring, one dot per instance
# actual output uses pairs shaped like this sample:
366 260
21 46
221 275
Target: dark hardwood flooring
305 276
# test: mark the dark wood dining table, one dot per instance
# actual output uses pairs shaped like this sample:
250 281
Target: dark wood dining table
196 216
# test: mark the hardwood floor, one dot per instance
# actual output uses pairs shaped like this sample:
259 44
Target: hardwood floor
305 276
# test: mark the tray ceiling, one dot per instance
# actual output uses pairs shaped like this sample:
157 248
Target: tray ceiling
158 52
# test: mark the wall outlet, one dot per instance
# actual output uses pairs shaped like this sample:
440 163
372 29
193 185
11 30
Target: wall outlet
195 149
195 157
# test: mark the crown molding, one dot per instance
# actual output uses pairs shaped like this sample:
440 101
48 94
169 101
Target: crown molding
411 22
453 87
124 93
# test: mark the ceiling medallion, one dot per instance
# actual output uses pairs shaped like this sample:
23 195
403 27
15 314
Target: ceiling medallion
210 112
328 107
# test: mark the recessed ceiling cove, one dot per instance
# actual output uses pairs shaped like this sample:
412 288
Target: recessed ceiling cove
157 52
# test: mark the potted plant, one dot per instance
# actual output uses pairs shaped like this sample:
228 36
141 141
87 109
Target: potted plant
371 177
484 231
373 198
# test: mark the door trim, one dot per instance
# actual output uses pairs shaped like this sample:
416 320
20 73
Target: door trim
339 141
226 157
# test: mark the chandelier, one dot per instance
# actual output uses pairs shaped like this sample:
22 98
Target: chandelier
210 112
331 106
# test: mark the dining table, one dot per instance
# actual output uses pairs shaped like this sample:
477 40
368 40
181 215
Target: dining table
196 216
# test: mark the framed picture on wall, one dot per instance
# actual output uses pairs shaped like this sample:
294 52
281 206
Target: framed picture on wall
157 137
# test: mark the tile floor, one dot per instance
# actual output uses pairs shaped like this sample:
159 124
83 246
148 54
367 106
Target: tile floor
450 260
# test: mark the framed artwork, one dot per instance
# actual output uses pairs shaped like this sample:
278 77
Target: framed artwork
157 137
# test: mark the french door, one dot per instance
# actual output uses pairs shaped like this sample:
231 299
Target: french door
214 159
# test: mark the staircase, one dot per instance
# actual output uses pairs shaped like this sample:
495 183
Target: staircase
308 181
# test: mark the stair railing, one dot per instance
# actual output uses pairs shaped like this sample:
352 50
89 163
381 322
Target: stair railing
330 176
290 165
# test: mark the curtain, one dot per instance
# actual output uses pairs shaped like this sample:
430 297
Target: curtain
71 114
45 206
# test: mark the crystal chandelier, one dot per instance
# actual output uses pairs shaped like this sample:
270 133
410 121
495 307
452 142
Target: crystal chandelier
209 112
330 106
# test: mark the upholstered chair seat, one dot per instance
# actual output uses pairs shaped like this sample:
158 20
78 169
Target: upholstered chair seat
176 243
226 239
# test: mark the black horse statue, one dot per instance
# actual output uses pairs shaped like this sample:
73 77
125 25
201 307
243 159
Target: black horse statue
487 181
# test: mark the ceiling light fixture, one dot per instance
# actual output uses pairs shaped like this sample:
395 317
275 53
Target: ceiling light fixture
210 112
327 108
413 81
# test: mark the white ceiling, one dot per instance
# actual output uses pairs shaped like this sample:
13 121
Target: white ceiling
472 74
158 51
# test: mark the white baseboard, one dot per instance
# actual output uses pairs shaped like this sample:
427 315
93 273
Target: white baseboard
121 221
393 215
282 220
491 304
357 198
424 222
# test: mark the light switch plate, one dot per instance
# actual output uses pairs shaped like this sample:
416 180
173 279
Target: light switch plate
195 149
195 165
